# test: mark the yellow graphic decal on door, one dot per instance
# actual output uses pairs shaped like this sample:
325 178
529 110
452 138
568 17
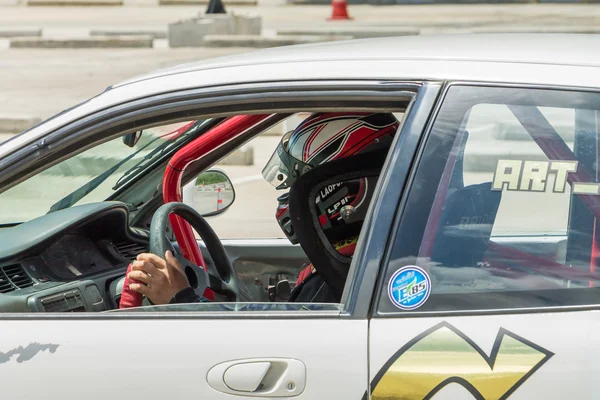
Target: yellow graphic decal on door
443 354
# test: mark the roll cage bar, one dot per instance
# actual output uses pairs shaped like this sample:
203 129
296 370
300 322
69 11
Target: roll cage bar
227 130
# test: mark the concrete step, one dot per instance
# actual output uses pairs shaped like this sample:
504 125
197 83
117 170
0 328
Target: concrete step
258 41
156 34
192 32
99 42
9 32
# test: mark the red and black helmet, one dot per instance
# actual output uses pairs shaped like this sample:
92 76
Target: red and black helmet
322 138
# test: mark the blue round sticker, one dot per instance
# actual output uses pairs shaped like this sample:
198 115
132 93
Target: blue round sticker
409 287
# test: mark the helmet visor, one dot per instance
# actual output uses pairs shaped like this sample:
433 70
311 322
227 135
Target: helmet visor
275 171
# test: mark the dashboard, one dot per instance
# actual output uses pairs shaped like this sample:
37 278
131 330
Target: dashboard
72 260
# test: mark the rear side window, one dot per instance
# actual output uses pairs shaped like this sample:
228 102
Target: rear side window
502 210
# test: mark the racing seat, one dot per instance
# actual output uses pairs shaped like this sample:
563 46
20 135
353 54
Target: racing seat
465 226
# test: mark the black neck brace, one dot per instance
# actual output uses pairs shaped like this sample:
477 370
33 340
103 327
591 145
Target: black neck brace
331 265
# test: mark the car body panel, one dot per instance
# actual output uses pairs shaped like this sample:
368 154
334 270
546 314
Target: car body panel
468 335
99 359
494 48
530 356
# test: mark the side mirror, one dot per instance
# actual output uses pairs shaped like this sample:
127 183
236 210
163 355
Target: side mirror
210 194
132 139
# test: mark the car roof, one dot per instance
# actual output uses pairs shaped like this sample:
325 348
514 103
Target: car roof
550 49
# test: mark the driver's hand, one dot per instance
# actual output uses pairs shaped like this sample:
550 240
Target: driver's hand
159 280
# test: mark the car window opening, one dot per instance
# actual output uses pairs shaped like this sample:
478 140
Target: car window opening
479 245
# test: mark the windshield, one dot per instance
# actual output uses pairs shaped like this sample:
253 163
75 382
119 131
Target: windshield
93 175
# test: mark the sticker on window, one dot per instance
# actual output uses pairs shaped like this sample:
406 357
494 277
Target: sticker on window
532 176
409 287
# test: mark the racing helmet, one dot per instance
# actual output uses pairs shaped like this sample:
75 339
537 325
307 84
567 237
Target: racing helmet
318 140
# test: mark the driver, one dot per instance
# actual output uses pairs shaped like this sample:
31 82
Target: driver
318 143
319 140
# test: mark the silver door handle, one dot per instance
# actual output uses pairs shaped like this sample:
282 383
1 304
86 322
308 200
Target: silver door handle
265 377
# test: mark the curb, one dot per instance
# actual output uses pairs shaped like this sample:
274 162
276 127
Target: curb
356 33
19 32
512 29
258 41
536 29
16 125
97 42
205 2
74 3
419 2
108 33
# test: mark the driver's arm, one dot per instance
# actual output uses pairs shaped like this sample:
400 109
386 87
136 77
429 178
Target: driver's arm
162 281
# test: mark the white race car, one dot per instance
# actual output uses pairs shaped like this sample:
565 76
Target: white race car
476 273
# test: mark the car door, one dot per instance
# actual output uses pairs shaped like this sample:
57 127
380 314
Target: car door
202 350
490 288
208 350
263 353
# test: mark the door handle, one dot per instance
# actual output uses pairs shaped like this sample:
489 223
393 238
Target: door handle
264 377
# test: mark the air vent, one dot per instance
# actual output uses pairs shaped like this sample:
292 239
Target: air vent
13 277
17 275
130 250
5 285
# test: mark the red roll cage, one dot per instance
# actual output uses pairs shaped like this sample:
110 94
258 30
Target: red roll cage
227 130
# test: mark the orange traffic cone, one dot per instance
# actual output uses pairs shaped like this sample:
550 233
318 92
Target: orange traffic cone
340 10
219 199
